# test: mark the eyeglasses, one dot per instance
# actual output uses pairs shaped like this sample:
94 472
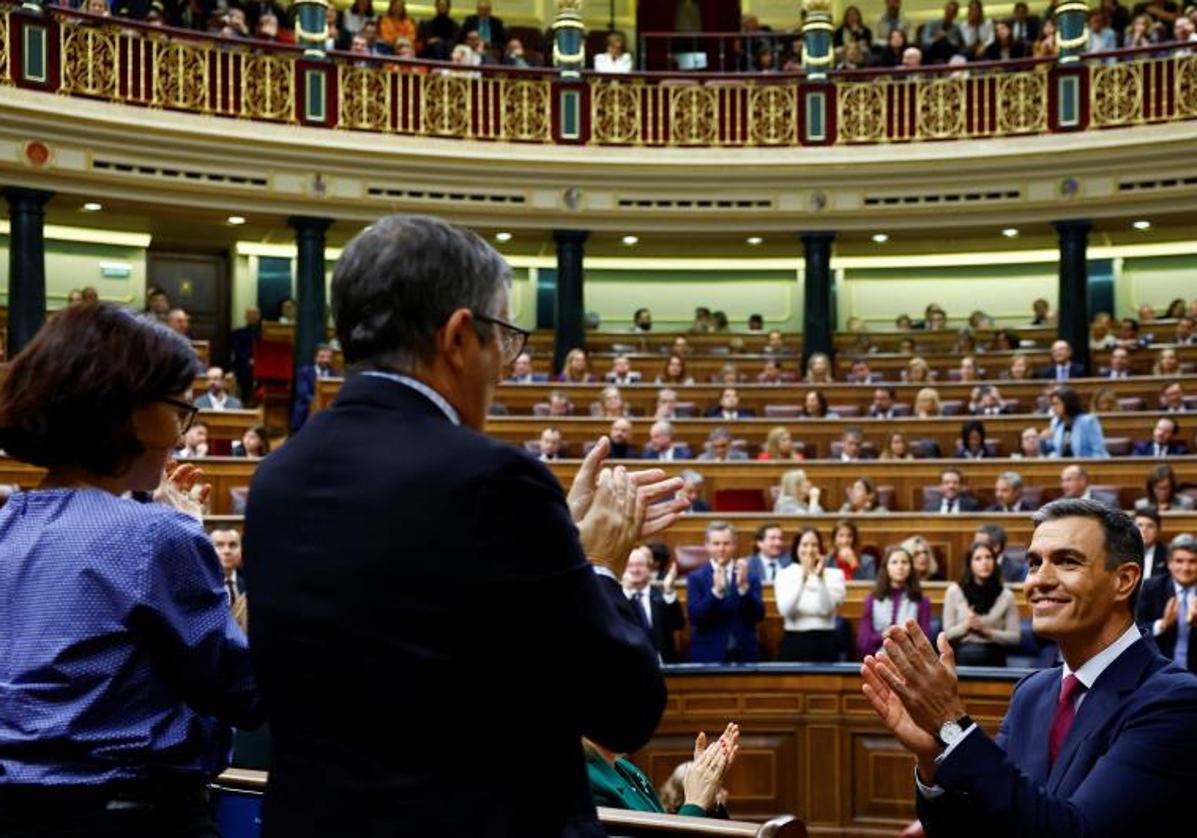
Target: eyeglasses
185 412
512 339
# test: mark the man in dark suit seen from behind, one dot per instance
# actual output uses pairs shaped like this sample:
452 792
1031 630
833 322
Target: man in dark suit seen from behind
468 595
1155 551
1102 745
305 384
1168 604
952 498
659 610
488 27
242 341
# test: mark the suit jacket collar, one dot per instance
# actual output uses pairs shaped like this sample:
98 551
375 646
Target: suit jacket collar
371 391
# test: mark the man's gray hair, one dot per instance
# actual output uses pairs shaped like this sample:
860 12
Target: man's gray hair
400 279
664 426
1185 541
690 477
720 526
1013 478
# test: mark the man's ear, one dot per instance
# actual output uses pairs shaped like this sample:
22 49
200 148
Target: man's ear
457 338
1127 578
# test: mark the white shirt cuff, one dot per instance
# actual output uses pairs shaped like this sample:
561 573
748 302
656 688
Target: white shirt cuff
717 594
670 599
743 591
1157 628
932 792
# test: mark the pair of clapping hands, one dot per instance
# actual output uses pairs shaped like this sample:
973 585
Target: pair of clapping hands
704 778
183 488
615 508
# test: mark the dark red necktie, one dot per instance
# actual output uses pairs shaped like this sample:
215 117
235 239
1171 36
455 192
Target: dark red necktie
1065 713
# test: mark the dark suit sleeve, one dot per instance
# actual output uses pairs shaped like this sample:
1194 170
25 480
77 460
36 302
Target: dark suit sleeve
561 617
752 604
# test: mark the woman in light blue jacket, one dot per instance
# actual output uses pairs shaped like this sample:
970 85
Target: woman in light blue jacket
1073 431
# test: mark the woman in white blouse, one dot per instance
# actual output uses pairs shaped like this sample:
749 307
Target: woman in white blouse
808 593
616 59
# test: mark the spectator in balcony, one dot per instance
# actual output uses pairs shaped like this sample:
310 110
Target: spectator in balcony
926 568
1165 441
1162 494
719 447
1045 46
847 555
972 441
1172 399
335 35
814 406
1062 367
896 448
852 30
779 446
1186 334
927 404
1073 431
479 54
675 372
490 29
1101 36
862 498
1024 27
550 444
980 616
396 24
797 495
1140 33
621 372
1184 31
896 598
883 403
217 395
616 59
891 21
1118 17
912 58
513 54
359 45
666 404
254 443
1007 494
818 369
235 23
438 34
729 408
268 30
661 445
941 39
1167 363
917 371
620 435
357 15
576 369
764 60
808 593
852 56
189 14
976 30
953 495
895 45
1105 400
611 404
1004 46
559 404
463 56
724 602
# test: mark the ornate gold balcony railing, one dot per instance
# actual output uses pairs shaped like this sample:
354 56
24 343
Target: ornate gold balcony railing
121 61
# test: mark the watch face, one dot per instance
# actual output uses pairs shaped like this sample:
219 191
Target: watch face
949 732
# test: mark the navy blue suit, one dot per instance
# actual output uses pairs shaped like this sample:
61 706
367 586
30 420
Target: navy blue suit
305 392
713 621
1075 370
1147 449
680 452
1126 767
1153 599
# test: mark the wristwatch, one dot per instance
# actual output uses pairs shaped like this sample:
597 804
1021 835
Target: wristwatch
951 732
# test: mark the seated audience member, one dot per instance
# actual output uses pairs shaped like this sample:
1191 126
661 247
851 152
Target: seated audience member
1073 432
779 446
862 498
661 445
513 54
1168 604
227 544
618 783
987 401
917 371
896 598
194 442
771 373
1020 368
305 384
896 448
1004 45
796 495
814 406
818 369
1062 367
980 616
1155 552
852 446
1100 338
702 321
1165 441
666 404
1011 567
1172 399
1104 400
852 30
952 495
559 404
621 372
612 405
860 372
968 370
660 610
926 568
847 555
1074 484
940 38
775 345
972 441
1120 366
681 346
550 444
728 374
1029 446
927 404
1161 492
180 321
808 593
976 30
521 370
729 408
725 603
1005 340
893 50
621 440
1007 494
616 59
883 403
719 447
254 443
217 396
1168 363
576 369
692 488
770 556
756 323
1186 332
675 372
438 34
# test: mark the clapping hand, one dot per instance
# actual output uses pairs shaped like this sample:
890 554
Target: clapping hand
182 488
669 583
1171 612
711 762
658 516
720 582
741 573
1191 617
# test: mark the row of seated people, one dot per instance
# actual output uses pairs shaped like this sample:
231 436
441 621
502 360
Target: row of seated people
725 601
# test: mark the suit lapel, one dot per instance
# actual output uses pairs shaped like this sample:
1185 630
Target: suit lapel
1032 756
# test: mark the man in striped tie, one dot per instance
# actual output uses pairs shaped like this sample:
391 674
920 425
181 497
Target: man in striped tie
1101 745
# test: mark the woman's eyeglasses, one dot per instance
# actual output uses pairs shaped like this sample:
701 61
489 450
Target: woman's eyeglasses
185 412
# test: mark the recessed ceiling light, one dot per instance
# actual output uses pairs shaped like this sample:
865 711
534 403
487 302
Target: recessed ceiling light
880 238
1010 232
630 240
92 206
755 240
236 220
502 237
1142 225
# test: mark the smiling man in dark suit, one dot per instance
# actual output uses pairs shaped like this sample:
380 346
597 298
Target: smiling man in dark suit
403 563
1168 604
659 609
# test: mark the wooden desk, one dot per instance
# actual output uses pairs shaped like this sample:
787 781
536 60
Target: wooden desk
230 425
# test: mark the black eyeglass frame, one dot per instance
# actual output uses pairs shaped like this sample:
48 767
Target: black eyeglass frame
523 334
187 412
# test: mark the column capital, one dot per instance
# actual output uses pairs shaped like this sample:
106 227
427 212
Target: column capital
571 236
1073 226
817 236
306 223
21 195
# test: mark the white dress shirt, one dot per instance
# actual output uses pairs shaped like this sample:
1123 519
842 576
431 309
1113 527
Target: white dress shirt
950 507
